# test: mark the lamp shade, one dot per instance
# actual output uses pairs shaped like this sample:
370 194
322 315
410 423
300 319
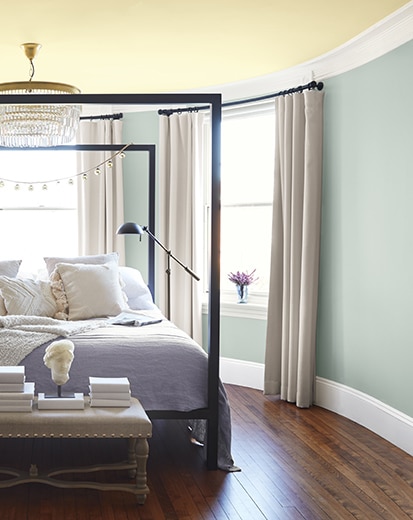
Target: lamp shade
130 228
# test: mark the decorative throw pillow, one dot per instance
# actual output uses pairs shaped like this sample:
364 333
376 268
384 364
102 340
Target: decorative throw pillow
27 297
92 291
136 290
58 290
52 261
8 268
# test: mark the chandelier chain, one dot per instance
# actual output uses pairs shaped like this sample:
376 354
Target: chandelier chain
31 71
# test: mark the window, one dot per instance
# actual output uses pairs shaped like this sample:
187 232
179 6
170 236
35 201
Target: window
247 171
38 219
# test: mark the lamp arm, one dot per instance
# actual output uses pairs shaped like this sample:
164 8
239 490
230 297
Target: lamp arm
145 228
168 251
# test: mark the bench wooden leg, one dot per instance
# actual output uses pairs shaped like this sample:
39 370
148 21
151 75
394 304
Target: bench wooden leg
132 456
142 452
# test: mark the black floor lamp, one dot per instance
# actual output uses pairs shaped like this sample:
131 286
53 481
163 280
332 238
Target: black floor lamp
131 228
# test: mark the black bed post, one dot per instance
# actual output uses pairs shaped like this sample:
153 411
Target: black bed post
214 289
214 101
151 217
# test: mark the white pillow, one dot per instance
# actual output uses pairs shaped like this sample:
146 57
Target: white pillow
92 291
137 292
52 261
27 297
8 268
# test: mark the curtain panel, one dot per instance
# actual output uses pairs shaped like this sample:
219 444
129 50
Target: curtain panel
100 197
181 217
292 306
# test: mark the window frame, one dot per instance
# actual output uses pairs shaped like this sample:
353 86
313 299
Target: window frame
256 308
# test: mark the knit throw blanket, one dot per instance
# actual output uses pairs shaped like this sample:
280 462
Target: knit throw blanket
20 335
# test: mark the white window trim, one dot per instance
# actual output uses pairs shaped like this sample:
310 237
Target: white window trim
257 305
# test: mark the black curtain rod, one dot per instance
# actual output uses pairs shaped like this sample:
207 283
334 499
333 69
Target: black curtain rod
104 116
310 86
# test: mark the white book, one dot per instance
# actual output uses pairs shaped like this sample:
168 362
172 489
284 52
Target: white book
16 402
112 403
133 319
11 387
109 395
27 407
26 393
109 384
60 403
11 374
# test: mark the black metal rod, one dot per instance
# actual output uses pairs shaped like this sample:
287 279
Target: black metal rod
151 216
168 269
214 288
102 116
310 86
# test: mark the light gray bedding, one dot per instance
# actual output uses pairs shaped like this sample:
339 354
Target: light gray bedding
167 370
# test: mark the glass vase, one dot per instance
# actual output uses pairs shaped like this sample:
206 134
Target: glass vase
242 293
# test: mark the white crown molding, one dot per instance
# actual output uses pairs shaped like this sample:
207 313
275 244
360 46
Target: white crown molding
381 38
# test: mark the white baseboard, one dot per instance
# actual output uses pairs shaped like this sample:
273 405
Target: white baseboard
385 421
389 423
242 373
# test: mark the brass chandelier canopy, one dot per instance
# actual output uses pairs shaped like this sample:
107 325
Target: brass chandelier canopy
37 125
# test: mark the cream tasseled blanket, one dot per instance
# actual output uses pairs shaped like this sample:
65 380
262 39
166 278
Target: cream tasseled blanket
20 335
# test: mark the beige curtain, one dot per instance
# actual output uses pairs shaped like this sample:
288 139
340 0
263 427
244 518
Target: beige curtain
181 217
100 197
292 308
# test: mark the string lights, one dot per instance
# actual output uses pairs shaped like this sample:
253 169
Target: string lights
97 170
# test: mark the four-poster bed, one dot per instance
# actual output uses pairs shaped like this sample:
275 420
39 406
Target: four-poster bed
210 412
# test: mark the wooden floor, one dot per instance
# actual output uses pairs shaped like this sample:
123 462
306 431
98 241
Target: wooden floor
296 464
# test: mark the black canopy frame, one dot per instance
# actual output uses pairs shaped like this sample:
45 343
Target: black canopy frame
210 413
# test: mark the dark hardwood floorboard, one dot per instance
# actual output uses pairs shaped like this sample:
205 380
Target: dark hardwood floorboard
296 465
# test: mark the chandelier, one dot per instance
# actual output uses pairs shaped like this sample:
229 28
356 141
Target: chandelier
31 126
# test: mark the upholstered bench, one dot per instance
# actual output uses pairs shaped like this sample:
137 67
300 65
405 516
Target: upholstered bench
130 423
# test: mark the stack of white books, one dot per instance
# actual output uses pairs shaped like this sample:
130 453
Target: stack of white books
109 391
15 394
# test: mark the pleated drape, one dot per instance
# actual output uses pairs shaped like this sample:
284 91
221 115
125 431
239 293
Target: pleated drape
293 297
100 197
181 217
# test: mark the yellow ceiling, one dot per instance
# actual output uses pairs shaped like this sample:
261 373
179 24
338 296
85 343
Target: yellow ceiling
135 46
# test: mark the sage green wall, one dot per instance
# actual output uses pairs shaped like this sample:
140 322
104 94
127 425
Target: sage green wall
138 128
365 325
241 338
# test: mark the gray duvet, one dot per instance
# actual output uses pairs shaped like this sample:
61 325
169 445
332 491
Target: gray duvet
167 370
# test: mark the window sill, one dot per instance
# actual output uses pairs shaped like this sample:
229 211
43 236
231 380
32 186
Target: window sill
249 310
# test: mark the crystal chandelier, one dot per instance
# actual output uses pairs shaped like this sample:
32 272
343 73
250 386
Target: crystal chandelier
33 126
